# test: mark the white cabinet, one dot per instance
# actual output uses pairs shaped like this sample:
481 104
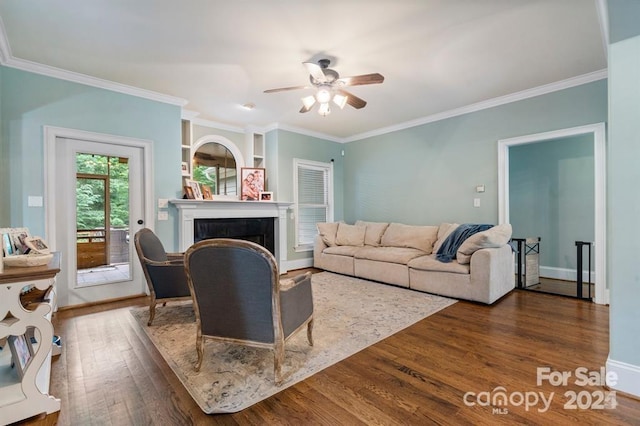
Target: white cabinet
27 396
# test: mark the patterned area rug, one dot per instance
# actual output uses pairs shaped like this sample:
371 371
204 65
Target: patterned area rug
349 315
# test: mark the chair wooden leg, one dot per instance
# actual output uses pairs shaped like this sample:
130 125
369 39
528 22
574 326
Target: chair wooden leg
200 351
310 332
278 360
152 312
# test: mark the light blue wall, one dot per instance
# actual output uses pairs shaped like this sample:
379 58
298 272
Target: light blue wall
428 174
31 101
623 209
281 148
4 168
552 196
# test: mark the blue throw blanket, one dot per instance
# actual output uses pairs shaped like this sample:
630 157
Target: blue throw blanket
449 248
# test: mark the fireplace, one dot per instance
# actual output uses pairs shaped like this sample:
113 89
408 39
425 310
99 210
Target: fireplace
193 214
259 230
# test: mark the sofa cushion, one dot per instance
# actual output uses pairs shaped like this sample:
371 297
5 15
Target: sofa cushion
430 263
373 232
444 231
328 231
342 250
350 235
417 237
400 255
494 237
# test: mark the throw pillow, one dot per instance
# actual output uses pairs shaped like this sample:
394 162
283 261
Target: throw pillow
495 237
328 231
417 237
350 235
373 232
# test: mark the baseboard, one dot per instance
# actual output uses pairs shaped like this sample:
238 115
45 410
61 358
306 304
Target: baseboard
298 264
563 274
628 377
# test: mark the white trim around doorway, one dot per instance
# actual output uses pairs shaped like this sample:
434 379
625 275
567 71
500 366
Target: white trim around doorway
599 140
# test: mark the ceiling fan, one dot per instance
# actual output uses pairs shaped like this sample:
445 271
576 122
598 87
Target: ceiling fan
329 87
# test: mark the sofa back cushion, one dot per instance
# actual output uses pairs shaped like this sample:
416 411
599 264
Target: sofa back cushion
444 231
350 235
417 237
328 231
373 232
494 237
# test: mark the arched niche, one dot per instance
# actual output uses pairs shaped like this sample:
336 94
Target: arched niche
215 151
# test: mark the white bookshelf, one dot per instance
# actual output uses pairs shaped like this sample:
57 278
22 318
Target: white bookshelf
21 398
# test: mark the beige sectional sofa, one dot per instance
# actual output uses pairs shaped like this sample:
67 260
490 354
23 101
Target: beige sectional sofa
405 255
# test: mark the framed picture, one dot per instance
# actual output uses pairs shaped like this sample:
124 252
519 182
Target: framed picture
253 180
21 351
37 245
185 168
266 196
206 192
188 192
195 187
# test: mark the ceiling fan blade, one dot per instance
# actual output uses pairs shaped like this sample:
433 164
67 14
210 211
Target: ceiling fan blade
306 108
353 100
284 89
316 71
359 80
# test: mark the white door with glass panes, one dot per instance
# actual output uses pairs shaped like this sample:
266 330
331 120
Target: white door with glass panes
99 205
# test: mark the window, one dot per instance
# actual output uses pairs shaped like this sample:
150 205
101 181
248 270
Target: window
313 199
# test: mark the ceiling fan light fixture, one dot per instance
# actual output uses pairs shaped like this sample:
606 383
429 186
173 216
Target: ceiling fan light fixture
340 100
324 109
323 95
308 101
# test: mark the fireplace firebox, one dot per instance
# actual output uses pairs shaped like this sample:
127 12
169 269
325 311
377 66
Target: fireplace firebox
259 230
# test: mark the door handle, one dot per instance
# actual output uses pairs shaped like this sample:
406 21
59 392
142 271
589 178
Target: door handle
140 221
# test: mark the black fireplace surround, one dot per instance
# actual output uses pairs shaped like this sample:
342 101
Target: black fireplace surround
258 230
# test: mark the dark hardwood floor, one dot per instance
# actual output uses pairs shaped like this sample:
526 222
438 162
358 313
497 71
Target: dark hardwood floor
110 374
562 288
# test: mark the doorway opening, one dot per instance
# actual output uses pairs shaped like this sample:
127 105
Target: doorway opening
102 219
597 134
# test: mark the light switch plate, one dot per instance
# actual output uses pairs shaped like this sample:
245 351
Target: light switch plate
163 215
476 202
34 201
163 203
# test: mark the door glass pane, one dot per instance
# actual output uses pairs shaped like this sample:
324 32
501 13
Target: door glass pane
102 219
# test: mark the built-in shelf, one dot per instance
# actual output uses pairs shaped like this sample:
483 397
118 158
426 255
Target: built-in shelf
25 397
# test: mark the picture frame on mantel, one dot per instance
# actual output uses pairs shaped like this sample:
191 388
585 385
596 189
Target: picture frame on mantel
253 183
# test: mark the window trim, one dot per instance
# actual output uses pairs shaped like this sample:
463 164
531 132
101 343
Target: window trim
328 168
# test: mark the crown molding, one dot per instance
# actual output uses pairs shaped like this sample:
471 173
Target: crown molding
7 59
86 80
501 100
305 132
214 124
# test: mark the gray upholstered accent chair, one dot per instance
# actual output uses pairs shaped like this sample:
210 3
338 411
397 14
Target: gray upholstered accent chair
238 298
163 271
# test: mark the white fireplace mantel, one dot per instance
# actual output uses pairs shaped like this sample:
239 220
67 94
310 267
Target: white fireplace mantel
188 210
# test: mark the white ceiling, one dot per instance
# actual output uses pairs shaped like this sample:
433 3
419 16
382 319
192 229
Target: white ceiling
437 56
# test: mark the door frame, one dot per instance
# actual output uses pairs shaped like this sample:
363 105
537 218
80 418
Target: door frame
599 152
53 136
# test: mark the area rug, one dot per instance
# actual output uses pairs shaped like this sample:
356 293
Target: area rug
349 315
